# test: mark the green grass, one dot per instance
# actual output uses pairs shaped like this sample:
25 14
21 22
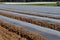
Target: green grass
51 4
40 4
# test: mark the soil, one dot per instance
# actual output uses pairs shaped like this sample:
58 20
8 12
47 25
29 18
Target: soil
37 22
10 31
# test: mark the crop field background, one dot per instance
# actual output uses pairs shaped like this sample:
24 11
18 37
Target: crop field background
20 22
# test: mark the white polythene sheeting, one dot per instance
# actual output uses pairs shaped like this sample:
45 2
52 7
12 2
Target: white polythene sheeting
50 20
46 32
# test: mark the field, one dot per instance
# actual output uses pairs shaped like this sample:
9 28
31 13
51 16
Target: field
51 4
15 31
29 22
32 3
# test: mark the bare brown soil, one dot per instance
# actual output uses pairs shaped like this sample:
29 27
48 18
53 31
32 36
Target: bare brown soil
37 22
9 31
7 35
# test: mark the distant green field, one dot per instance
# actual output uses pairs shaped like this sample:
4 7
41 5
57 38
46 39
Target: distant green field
51 4
40 4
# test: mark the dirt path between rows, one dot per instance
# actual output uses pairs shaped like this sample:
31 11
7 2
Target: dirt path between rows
37 22
9 31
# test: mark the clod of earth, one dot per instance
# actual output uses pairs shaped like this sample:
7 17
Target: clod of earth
9 31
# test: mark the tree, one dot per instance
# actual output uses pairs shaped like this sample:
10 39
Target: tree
1 0
23 0
58 3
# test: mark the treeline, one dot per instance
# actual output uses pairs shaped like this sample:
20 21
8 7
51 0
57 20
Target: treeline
14 0
43 0
26 0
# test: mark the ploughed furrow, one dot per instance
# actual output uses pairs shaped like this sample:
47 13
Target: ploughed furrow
9 31
7 35
33 21
48 15
51 34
